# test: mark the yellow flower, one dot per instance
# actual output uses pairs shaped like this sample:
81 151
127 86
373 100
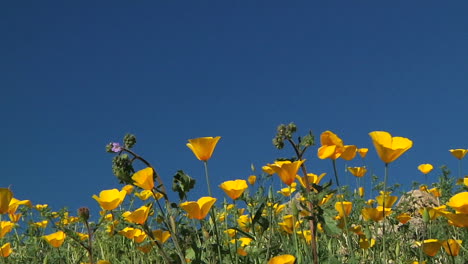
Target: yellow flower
459 202
15 203
252 179
41 207
431 246
144 178
435 191
365 243
82 236
5 228
41 224
361 192
333 147
425 168
389 200
234 189
128 188
161 236
283 259
313 179
145 248
230 232
286 170
458 220
349 152
452 246
5 197
110 199
306 234
138 216
55 239
375 214
15 217
389 148
203 147
288 190
404 218
289 224
5 250
459 153
357 171
343 208
362 152
199 209
244 222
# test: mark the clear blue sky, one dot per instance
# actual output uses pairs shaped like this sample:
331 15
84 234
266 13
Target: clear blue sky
75 75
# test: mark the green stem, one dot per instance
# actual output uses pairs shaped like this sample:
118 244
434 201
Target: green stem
213 214
207 178
341 198
384 215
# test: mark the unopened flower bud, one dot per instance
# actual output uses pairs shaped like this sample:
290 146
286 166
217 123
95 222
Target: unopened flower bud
83 213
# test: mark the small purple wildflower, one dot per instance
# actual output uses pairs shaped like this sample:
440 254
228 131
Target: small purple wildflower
116 147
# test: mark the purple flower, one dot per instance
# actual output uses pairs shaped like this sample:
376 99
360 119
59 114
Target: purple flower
116 147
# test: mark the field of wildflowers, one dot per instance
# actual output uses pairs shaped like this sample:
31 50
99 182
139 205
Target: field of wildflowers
307 221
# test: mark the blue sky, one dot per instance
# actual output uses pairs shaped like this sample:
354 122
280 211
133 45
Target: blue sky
77 75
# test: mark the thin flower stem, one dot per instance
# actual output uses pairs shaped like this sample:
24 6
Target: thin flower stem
213 214
384 215
345 217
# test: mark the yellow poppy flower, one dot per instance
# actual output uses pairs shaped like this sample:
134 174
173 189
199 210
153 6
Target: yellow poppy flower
287 170
362 152
425 168
128 188
435 192
161 236
288 190
358 171
138 216
289 224
389 148
459 202
144 178
375 214
349 152
41 207
252 179
55 239
452 246
431 246
199 209
459 153
15 203
365 243
361 191
5 228
41 224
244 222
404 218
15 217
145 248
234 189
110 199
343 208
5 250
203 147
458 220
283 259
5 197
332 146
313 178
389 200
